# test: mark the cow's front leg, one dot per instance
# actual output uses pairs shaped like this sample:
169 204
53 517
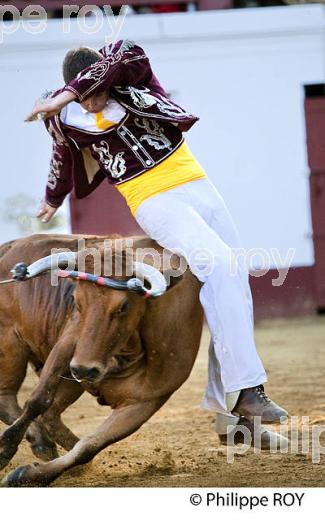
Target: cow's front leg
120 424
41 398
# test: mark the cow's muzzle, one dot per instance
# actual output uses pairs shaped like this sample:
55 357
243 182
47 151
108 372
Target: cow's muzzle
82 373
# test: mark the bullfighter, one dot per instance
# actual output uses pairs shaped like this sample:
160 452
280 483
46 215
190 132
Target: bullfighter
113 120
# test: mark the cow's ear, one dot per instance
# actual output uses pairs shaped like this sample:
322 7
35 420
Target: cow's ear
173 278
174 268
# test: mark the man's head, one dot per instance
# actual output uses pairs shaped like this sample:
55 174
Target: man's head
77 60
74 62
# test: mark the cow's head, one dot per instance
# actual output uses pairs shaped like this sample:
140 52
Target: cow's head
109 308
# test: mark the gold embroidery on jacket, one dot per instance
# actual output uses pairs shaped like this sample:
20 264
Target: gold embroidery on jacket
55 167
99 69
142 98
155 136
115 165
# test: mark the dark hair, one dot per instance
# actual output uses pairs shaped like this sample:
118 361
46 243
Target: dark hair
77 60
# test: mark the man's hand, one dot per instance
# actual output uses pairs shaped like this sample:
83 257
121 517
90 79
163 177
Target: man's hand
45 108
45 212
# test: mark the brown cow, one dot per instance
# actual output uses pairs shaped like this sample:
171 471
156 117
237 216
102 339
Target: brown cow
130 352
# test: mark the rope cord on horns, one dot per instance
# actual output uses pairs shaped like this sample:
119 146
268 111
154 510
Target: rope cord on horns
79 275
132 284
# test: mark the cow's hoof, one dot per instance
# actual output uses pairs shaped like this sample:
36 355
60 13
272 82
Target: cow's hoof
45 452
13 479
25 476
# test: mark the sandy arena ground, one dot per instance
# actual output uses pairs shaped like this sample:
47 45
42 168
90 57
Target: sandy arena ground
178 446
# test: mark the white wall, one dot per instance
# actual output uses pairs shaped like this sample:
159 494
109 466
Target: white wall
241 71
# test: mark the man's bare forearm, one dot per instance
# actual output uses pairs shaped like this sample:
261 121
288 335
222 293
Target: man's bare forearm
52 106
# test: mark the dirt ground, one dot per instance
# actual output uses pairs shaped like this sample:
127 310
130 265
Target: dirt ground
178 446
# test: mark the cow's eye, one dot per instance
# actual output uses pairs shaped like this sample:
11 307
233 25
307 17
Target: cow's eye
124 308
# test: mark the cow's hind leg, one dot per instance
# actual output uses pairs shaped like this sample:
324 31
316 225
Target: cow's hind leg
13 365
41 444
67 393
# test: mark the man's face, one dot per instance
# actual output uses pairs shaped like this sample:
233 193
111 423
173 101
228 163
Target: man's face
95 103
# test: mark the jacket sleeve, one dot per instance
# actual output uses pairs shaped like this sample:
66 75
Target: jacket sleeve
60 181
126 66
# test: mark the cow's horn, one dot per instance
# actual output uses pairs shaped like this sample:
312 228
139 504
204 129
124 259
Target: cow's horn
47 263
157 281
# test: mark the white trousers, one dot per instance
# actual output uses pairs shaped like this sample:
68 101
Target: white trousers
192 220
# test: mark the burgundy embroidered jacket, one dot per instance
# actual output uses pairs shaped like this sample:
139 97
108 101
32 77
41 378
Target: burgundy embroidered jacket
149 132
